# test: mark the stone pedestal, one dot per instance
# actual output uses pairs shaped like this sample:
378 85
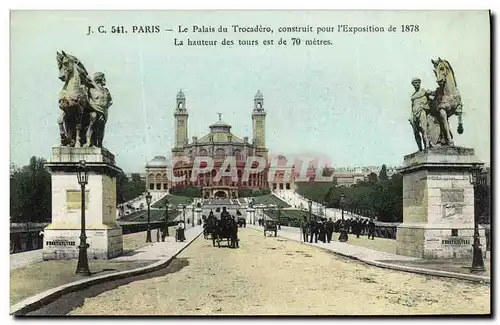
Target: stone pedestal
104 235
438 204
250 215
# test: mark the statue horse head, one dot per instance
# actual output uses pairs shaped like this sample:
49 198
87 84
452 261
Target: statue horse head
70 68
445 77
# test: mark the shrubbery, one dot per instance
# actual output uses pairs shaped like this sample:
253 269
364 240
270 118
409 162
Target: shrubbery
188 191
248 192
377 197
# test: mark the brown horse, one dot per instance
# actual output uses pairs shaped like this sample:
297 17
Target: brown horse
73 100
447 102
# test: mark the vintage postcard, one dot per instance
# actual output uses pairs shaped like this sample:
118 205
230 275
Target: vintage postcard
243 163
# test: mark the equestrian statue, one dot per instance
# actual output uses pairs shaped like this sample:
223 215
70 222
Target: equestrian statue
430 110
83 104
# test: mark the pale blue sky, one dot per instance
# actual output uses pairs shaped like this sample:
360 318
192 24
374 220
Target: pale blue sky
349 101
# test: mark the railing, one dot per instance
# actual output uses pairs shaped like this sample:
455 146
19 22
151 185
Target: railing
384 229
23 240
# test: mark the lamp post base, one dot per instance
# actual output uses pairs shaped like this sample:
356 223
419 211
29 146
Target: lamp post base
477 261
148 235
82 268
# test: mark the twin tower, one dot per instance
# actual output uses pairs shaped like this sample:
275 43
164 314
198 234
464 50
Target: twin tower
258 122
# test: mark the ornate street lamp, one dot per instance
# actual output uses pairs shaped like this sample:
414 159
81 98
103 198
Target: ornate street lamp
343 237
148 232
279 217
192 216
166 216
310 203
477 258
184 214
82 267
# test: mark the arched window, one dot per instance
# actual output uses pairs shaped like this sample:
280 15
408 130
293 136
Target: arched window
220 153
158 179
151 181
237 154
165 182
203 153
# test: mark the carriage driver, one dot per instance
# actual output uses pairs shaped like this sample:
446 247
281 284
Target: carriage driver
224 214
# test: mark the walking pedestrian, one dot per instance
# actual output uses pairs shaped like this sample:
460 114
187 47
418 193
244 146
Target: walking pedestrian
329 230
371 229
304 230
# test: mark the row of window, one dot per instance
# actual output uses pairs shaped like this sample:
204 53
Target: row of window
158 186
281 187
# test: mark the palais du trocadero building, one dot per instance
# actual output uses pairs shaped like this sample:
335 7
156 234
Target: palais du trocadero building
219 143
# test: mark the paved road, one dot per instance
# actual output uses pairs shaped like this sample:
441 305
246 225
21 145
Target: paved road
275 276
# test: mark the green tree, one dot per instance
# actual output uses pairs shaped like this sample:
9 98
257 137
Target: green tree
372 178
30 192
128 189
383 173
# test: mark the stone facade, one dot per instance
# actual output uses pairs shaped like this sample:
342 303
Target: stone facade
157 171
438 204
218 144
61 237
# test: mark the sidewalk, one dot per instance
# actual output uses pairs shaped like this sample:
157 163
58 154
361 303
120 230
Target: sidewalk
446 268
38 280
130 242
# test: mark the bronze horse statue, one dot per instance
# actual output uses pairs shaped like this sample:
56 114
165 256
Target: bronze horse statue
83 103
447 102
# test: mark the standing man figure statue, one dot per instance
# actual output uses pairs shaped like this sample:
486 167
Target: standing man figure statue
419 110
100 101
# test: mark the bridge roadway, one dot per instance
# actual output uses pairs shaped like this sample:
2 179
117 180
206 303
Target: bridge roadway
275 276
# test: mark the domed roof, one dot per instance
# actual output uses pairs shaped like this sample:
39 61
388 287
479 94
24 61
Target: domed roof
220 123
157 161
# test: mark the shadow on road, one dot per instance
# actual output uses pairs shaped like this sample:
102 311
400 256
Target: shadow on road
67 302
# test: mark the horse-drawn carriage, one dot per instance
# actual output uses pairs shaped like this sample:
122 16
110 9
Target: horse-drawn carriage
271 226
242 222
220 230
225 229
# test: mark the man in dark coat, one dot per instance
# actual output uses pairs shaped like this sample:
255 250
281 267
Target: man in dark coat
329 230
234 232
371 229
163 233
322 231
357 227
304 226
336 226
225 214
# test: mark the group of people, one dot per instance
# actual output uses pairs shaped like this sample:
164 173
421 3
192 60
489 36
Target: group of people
323 229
